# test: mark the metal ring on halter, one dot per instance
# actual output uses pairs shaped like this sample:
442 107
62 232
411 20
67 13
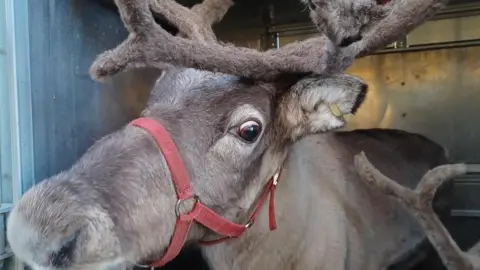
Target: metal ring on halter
145 266
249 224
180 201
275 178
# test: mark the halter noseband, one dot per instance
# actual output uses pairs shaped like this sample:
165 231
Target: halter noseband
200 213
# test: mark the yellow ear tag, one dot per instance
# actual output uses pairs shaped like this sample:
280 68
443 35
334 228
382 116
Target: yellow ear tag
335 110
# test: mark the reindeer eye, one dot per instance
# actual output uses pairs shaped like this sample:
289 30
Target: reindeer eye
249 131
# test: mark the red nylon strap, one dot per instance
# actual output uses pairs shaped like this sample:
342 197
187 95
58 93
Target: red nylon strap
184 190
170 152
270 189
271 210
182 227
214 222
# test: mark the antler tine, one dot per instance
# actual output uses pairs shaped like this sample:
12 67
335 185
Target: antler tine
136 16
419 203
359 27
195 23
402 16
212 11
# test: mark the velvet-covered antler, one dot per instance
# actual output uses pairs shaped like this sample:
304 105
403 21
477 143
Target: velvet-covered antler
360 27
399 18
352 28
419 203
149 45
201 17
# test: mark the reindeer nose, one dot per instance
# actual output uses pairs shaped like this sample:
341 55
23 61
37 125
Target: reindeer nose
64 255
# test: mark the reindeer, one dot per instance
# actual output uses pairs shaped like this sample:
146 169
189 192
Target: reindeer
227 130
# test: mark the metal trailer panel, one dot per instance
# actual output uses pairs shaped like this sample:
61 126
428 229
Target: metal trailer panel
435 93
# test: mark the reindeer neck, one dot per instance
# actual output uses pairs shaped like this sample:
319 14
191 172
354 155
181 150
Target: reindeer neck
296 199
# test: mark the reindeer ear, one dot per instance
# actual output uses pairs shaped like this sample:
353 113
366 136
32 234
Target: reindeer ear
318 104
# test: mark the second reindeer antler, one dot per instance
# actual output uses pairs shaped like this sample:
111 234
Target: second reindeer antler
419 203
197 22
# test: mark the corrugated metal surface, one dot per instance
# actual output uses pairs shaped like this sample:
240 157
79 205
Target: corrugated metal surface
70 110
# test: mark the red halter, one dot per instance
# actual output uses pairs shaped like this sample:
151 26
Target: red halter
200 213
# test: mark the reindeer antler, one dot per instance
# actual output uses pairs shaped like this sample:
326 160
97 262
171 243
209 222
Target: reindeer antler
419 203
201 17
363 26
401 17
150 45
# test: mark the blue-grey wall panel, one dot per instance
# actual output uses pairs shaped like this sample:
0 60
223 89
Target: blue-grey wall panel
70 110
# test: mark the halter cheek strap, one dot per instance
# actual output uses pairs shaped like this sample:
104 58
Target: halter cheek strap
200 213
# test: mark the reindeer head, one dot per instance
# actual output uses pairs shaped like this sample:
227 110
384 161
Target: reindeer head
116 205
